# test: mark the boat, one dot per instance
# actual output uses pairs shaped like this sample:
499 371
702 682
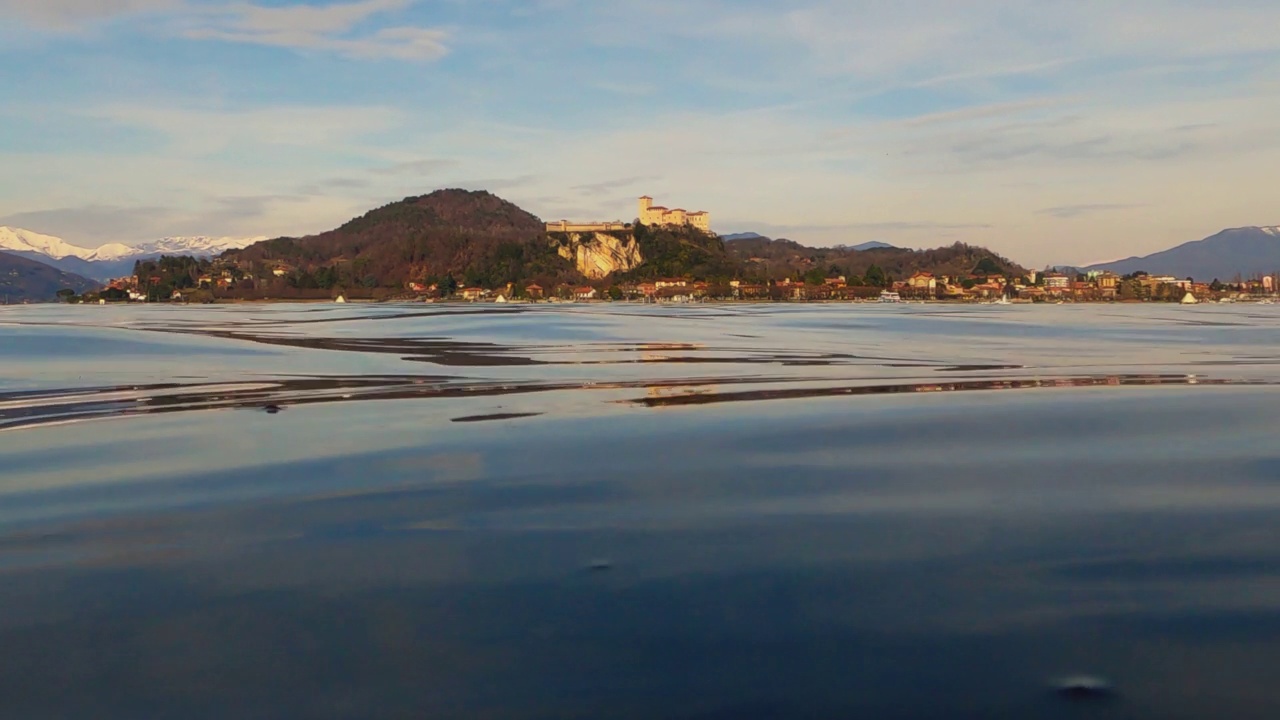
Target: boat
1190 299
888 296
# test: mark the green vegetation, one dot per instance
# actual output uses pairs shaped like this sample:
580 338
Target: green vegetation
680 252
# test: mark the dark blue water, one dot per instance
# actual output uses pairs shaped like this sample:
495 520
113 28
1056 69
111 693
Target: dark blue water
615 511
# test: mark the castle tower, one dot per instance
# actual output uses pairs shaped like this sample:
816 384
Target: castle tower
646 202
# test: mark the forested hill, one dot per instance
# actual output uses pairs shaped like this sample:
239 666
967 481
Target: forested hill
475 238
774 259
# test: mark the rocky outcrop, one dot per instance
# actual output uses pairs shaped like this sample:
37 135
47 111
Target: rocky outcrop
597 255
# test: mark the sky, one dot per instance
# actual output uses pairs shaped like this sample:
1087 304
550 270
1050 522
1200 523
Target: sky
1049 131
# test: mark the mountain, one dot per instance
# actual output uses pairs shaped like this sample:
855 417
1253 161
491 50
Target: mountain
112 260
873 245
740 236
24 279
473 237
1246 252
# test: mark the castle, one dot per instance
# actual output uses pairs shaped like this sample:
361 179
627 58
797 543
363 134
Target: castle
651 214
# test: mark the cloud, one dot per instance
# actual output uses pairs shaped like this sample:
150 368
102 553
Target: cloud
1067 212
196 130
65 15
334 28
94 223
324 187
607 186
886 226
417 167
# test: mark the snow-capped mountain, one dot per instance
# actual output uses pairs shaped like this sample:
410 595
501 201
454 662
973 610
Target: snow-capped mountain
19 240
199 246
114 259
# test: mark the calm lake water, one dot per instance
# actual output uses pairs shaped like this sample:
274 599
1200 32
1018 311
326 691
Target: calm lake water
616 511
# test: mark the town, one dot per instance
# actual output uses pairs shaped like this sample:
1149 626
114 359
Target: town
221 280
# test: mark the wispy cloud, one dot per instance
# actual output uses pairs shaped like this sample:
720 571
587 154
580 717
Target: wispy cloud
1067 212
607 186
429 166
62 15
334 28
202 130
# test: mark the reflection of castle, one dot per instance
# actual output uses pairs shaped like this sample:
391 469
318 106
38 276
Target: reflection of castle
651 214
663 392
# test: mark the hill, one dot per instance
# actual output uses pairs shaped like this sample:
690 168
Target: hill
23 279
773 259
1243 252
453 238
468 237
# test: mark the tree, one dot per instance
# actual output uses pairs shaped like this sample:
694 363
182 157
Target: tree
875 277
1216 285
986 266
65 294
615 293
448 286
815 277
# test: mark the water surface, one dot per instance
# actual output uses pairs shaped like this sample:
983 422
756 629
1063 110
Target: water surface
621 511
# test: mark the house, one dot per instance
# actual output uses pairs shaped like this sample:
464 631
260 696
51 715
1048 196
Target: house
1056 281
923 281
473 293
648 289
533 291
584 293
671 282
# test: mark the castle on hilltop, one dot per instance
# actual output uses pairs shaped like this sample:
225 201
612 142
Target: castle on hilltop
651 214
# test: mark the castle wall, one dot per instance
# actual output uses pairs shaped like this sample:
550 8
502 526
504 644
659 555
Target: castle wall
565 226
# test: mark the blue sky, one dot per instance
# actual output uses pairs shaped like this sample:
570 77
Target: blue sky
1049 131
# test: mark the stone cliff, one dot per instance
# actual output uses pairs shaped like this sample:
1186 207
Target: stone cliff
599 254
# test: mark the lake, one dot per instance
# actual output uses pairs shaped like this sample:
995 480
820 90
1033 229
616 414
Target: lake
625 511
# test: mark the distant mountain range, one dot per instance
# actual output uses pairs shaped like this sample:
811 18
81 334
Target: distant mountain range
22 279
1246 252
873 245
108 261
